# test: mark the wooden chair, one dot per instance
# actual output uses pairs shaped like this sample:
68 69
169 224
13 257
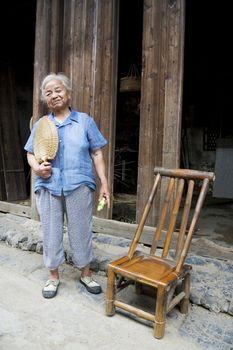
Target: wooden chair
157 268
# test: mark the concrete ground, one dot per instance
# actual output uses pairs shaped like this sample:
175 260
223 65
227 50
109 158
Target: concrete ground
75 319
216 220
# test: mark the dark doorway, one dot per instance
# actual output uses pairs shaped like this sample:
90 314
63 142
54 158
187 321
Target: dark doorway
128 110
207 111
17 28
207 82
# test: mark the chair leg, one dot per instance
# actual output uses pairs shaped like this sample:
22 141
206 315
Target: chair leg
184 304
160 313
110 293
138 288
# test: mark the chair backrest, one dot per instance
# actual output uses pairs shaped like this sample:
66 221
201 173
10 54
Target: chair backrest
182 203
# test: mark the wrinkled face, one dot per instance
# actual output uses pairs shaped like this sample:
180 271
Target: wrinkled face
56 95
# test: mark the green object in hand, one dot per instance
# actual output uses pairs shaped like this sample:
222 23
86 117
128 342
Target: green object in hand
101 204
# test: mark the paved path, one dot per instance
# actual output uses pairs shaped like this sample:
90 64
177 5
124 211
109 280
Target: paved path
75 319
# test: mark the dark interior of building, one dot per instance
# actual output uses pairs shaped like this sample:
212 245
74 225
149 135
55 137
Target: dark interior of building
128 110
206 95
128 99
207 67
207 126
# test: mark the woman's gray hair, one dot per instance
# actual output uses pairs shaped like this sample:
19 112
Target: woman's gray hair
53 76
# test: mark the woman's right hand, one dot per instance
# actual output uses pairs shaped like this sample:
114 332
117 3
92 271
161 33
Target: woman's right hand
44 170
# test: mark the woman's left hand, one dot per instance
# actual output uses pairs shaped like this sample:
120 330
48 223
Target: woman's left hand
98 160
104 193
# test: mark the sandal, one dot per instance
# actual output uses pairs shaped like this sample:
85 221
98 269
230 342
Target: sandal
50 289
91 285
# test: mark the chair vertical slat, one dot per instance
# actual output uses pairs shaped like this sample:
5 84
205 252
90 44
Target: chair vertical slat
198 207
173 218
163 216
145 213
184 220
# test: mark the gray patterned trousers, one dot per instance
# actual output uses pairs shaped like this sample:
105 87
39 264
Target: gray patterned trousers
78 210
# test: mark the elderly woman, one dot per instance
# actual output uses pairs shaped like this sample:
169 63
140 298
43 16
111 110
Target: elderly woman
66 184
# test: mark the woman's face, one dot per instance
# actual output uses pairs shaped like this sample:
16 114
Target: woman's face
56 95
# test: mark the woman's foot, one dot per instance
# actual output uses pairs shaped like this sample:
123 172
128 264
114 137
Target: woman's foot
51 286
50 289
87 280
91 285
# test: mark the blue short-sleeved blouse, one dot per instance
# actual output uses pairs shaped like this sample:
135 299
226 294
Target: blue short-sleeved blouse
78 137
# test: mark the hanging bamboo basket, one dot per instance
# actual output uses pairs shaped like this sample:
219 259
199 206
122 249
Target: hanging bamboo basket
132 82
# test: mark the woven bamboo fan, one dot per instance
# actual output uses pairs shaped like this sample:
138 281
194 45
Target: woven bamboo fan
132 82
45 141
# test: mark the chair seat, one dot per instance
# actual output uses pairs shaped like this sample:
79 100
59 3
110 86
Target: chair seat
153 270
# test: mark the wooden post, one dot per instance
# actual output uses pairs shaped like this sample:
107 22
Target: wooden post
161 95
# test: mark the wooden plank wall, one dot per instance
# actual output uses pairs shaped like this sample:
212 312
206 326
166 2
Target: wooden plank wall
80 38
160 116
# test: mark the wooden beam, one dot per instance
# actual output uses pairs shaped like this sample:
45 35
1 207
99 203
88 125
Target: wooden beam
126 230
16 209
100 225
